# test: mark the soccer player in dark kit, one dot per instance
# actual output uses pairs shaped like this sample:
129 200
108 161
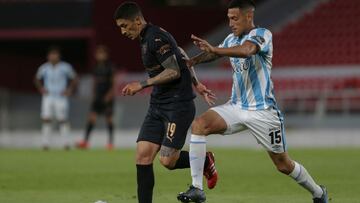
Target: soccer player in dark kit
103 97
171 108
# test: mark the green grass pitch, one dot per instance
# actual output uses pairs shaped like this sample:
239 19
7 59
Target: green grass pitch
246 176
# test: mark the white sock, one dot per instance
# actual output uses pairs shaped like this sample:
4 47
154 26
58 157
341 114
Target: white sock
303 178
197 159
64 133
46 131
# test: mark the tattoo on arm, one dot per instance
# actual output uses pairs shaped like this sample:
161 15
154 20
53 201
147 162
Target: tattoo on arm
194 79
171 72
205 57
167 151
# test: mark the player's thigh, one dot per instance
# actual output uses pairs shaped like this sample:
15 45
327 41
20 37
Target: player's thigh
268 129
153 127
146 152
47 108
109 109
92 117
178 118
224 119
61 109
98 106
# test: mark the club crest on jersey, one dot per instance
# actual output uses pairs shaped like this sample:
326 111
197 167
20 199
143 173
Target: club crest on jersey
259 39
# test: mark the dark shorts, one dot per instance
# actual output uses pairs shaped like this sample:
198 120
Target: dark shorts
99 106
167 124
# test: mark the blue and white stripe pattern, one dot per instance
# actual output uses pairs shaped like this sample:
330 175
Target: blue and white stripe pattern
55 77
252 85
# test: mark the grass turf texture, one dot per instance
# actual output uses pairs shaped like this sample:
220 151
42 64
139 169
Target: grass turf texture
246 176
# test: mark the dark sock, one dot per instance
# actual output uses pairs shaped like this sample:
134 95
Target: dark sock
89 128
206 162
145 183
183 161
111 135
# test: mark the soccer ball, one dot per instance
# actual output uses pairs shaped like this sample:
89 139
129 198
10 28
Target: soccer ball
100 201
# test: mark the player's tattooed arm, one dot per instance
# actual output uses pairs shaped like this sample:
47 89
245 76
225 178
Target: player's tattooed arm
204 57
171 72
194 78
199 87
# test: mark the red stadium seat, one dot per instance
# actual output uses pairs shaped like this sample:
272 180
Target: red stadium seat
327 35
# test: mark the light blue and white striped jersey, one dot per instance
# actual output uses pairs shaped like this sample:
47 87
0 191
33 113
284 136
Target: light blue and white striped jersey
55 77
252 87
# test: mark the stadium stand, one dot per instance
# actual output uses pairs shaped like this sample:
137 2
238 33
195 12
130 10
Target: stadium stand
326 36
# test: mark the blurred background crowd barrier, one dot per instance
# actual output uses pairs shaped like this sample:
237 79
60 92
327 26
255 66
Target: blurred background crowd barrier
316 65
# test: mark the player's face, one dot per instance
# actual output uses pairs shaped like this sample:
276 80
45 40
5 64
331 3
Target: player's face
101 55
129 28
239 20
53 57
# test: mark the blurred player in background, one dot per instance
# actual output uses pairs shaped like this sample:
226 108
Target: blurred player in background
56 81
103 97
252 105
172 108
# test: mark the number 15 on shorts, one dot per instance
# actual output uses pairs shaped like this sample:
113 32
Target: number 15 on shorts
275 136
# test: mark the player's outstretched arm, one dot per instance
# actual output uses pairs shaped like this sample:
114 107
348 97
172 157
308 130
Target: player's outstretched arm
201 89
170 73
245 50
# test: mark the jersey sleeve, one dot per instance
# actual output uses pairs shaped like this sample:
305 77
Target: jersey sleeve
161 47
224 44
261 37
40 72
70 71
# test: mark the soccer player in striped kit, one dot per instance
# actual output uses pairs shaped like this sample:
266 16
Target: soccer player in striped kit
252 104
56 81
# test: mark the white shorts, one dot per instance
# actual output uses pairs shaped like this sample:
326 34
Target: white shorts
54 107
265 125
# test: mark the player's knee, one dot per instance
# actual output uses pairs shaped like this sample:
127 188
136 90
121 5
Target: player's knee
200 127
143 159
109 121
92 119
167 162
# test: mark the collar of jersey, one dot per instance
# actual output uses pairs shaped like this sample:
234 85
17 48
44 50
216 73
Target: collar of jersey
143 31
246 33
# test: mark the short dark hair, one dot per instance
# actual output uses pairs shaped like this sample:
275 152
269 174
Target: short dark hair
128 10
242 4
54 48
